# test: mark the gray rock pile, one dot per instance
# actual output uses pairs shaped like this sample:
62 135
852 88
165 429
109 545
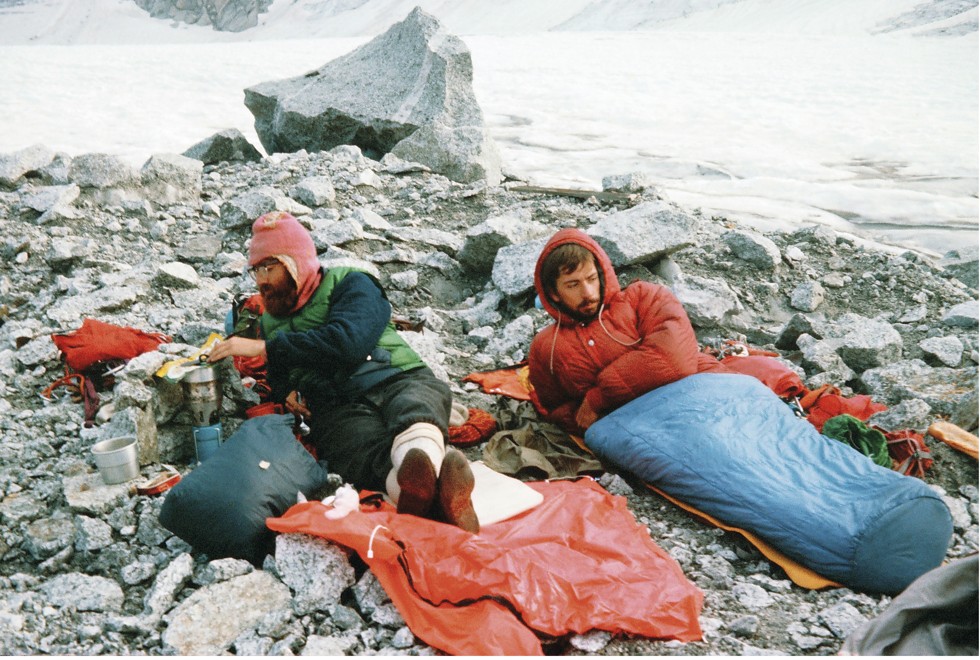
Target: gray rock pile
88 570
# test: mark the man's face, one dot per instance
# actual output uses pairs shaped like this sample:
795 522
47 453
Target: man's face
579 291
279 294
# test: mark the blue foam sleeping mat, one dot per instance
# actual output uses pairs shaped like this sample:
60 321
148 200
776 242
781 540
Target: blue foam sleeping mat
725 444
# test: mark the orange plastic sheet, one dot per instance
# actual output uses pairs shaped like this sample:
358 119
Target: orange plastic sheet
579 561
510 381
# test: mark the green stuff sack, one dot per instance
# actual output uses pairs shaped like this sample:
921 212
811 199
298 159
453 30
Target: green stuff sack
852 431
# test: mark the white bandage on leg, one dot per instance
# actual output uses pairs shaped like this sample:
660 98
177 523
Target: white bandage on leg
420 435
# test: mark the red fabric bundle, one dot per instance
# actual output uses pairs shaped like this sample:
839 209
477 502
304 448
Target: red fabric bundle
98 342
774 374
826 402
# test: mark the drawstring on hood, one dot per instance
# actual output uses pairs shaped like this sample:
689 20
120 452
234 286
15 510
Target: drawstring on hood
554 336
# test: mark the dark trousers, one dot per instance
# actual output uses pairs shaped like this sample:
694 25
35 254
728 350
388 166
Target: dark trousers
355 435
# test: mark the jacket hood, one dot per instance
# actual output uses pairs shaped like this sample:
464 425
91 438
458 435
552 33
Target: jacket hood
606 271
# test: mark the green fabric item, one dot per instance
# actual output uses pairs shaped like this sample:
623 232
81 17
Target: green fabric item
314 313
852 431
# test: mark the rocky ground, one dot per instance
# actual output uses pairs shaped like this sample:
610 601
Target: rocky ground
87 569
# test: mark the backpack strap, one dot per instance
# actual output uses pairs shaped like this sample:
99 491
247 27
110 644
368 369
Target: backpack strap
79 387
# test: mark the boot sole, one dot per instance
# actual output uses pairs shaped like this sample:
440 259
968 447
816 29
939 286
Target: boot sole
455 490
417 480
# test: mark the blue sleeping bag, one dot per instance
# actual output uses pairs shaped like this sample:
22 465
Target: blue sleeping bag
727 445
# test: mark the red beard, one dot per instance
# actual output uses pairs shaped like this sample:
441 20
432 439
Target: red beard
279 300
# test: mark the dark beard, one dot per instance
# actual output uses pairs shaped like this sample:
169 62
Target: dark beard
279 301
577 315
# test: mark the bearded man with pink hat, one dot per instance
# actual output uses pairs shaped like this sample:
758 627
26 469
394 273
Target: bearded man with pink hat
378 415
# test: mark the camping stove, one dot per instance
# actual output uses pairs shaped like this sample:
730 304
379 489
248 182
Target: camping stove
202 391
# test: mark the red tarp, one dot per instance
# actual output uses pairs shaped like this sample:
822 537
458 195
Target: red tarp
577 562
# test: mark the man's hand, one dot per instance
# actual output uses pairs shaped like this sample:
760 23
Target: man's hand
296 405
235 347
585 416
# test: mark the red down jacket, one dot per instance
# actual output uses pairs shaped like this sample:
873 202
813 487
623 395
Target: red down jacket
599 360
578 561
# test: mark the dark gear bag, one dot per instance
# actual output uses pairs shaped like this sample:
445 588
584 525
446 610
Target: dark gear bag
220 508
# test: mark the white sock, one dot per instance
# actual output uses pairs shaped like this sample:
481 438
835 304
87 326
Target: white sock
420 435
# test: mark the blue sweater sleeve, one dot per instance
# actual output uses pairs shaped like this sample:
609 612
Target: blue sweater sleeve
358 315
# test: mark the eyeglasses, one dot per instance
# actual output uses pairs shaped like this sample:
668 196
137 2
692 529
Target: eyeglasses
263 269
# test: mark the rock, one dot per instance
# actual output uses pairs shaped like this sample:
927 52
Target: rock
757 250
909 414
177 274
167 584
959 512
512 343
84 593
443 241
963 315
314 191
320 646
104 178
46 537
226 16
646 232
88 494
861 343
172 179
962 264
242 210
745 626
46 198
842 619
752 596
18 164
485 239
369 594
207 622
807 296
948 350
632 182
591 642
708 302
817 234
229 145
201 249
414 98
948 392
316 570
513 267
91 534
821 357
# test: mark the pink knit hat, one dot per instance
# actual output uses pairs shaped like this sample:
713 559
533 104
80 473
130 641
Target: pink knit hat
281 236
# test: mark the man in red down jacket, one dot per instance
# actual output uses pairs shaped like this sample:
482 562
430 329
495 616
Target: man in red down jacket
608 345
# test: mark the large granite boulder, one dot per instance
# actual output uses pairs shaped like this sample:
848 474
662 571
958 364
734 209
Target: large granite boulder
408 92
